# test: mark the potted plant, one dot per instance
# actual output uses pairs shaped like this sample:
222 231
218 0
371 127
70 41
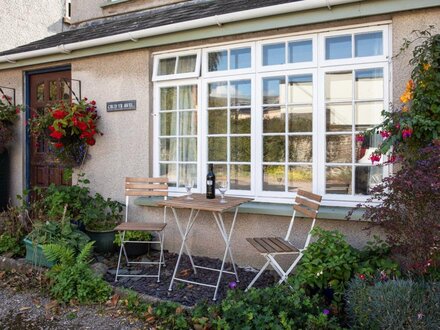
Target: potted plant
9 114
70 129
100 217
52 232
135 249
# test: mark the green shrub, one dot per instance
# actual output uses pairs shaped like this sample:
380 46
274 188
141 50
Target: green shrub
329 262
72 278
397 304
10 244
277 307
133 236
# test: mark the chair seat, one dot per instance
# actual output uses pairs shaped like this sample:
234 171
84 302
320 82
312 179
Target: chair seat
140 226
268 245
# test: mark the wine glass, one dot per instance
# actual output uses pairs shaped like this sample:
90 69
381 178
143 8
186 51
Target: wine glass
222 186
188 186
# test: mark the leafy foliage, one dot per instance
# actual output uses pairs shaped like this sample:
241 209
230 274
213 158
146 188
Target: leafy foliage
133 236
330 262
416 124
72 278
10 244
9 114
398 304
409 211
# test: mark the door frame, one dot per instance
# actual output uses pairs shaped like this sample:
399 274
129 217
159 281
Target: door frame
27 75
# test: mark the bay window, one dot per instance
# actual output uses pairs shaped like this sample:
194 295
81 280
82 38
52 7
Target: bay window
274 116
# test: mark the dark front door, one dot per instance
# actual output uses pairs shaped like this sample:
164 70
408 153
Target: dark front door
46 89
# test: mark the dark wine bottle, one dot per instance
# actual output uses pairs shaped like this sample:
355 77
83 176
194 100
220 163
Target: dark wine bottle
210 183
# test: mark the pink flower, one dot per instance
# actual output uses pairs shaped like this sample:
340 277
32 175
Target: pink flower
362 277
385 134
360 138
375 158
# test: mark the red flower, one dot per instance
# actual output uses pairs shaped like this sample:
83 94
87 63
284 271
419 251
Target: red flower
375 158
82 126
57 135
360 138
59 114
93 102
385 134
406 133
362 277
59 145
90 141
51 128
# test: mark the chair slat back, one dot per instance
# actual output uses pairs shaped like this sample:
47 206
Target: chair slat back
144 187
308 205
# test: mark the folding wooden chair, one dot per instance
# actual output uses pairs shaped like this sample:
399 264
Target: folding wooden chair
138 187
307 204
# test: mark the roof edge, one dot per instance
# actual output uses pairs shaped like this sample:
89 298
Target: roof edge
188 25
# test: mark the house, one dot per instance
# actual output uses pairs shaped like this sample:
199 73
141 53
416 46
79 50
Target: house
273 93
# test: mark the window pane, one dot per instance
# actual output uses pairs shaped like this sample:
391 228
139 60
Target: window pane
218 61
168 98
338 47
365 146
240 121
240 177
168 123
65 90
369 84
169 171
188 149
366 177
300 177
273 178
188 123
274 119
218 94
367 115
217 121
240 58
168 150
274 149
339 149
186 64
300 89
274 90
339 117
188 97
338 86
338 180
167 66
274 54
368 44
300 119
300 149
240 149
217 148
40 92
221 172
240 92
300 51
187 172
53 90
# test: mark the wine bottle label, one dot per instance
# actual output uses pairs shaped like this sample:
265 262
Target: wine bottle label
209 182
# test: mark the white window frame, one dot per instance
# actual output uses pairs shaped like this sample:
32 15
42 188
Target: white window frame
354 60
228 72
287 65
156 128
195 73
318 67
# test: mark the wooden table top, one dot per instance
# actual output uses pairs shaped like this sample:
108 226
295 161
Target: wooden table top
200 202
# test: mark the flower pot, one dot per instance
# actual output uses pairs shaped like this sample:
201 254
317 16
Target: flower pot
103 240
137 249
35 254
4 180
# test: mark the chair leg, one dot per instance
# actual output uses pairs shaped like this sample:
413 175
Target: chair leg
258 275
161 257
120 255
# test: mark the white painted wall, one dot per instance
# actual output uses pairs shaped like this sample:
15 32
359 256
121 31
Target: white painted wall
24 21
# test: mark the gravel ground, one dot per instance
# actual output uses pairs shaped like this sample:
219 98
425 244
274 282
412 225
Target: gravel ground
27 310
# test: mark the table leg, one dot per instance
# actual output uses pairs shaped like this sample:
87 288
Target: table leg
227 238
191 221
179 227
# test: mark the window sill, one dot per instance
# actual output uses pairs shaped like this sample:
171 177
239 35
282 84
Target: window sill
111 3
326 212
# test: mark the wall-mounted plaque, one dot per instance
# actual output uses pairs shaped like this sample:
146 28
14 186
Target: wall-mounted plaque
121 105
